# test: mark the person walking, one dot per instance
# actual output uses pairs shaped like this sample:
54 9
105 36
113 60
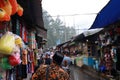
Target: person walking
52 71
48 59
39 55
66 58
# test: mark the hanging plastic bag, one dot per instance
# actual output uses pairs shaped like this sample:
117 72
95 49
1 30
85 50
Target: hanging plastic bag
7 43
4 63
14 59
18 40
16 49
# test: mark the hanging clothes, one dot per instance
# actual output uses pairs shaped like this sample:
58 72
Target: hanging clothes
18 72
24 63
114 54
31 62
24 71
24 35
24 57
118 59
17 27
108 60
31 40
23 32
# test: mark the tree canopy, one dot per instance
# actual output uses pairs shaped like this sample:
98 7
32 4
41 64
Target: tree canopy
57 32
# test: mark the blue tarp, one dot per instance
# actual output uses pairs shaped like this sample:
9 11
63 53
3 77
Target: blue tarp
108 15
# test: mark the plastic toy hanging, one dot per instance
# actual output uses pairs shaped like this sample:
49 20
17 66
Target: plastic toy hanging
8 8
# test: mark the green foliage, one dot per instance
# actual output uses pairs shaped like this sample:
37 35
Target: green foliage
56 30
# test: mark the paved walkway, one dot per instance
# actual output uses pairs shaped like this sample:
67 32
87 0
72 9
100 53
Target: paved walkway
79 74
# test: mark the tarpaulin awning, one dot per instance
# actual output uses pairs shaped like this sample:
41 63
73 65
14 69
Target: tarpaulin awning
108 15
83 36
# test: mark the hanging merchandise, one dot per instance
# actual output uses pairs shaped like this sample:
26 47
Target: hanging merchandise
114 54
20 10
8 8
24 71
7 43
31 65
17 28
14 58
24 57
3 15
31 40
4 64
5 7
24 63
16 8
24 34
18 40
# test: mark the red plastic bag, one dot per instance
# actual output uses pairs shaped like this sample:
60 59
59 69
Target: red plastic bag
14 59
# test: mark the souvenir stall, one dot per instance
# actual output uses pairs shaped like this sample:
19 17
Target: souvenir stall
19 49
87 41
108 43
10 54
10 43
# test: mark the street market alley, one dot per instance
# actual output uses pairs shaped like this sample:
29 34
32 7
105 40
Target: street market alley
77 73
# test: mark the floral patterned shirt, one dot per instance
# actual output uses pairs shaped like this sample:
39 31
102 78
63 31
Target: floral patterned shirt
55 73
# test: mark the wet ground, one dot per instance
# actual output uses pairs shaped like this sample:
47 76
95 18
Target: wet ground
79 74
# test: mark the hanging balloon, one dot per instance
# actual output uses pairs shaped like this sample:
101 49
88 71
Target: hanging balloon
4 63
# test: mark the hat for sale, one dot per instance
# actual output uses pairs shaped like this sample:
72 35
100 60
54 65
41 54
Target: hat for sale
58 57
